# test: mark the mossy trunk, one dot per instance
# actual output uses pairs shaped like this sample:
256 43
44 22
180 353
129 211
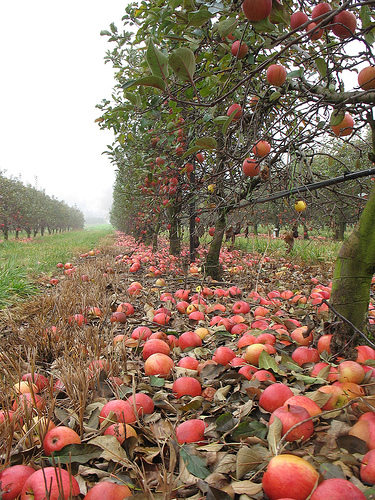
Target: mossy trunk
354 269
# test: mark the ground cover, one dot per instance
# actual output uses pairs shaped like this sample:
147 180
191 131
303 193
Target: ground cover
114 323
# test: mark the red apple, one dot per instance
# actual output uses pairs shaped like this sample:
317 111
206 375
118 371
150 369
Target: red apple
108 490
345 127
141 333
58 437
152 346
189 340
188 362
304 354
305 402
366 78
144 404
320 9
223 355
253 352
12 480
364 353
248 371
232 109
291 415
289 476
118 317
298 19
262 148
264 376
367 471
350 371
301 336
276 75
337 489
186 386
158 364
324 344
344 24
239 50
338 397
257 10
191 431
250 167
120 431
122 410
61 485
313 32
332 374
274 396
241 307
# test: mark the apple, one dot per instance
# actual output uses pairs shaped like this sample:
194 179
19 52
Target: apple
61 485
276 74
58 437
248 371
300 206
290 415
366 78
297 19
186 386
365 429
253 352
120 431
152 346
324 344
300 336
337 489
189 340
239 329
250 167
305 402
338 397
141 333
304 354
223 355
266 338
12 480
263 376
118 317
122 410
320 9
256 10
232 109
344 24
345 127
188 363
350 371
351 389
241 307
144 404
161 318
262 148
39 380
126 308
274 396
191 431
313 32
367 471
332 374
239 50
289 476
29 403
158 364
107 489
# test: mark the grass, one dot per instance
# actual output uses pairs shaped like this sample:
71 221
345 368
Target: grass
23 262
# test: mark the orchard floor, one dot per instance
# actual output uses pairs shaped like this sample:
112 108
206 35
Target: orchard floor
70 335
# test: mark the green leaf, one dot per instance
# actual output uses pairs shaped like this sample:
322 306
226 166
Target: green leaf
267 362
198 18
254 428
336 117
220 119
113 27
132 98
322 66
274 96
105 33
227 26
182 61
264 26
194 464
226 422
228 122
157 61
190 151
76 453
151 81
295 74
156 381
206 143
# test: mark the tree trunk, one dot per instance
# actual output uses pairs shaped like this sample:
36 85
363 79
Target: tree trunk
354 269
174 238
212 265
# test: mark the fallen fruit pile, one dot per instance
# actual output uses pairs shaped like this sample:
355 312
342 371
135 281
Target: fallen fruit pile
156 383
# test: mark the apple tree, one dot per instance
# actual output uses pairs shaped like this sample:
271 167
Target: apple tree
259 88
